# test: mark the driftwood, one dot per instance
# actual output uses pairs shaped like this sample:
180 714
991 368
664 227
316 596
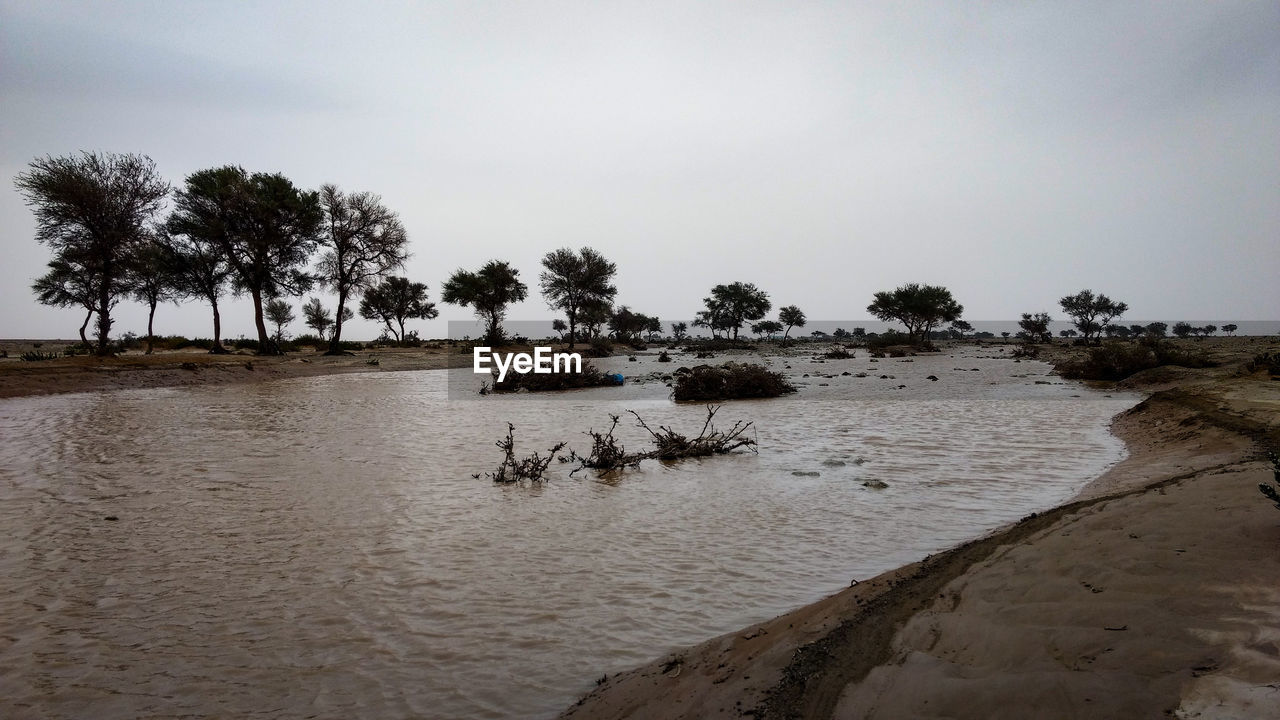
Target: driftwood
529 468
608 454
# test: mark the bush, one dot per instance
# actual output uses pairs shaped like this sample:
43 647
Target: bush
599 348
887 339
838 354
729 381
1117 361
1266 361
591 376
38 356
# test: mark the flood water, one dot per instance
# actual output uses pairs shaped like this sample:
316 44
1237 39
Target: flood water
319 548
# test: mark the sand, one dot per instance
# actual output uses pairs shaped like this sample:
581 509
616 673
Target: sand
1155 594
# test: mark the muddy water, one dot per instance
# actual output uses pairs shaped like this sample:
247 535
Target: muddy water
319 548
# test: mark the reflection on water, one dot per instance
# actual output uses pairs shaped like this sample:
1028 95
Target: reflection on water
318 547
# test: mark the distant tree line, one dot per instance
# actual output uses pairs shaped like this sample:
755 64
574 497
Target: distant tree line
232 232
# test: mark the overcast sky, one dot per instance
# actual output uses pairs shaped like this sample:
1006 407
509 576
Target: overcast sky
1014 152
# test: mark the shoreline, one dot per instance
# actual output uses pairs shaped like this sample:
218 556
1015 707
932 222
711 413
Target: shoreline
1151 592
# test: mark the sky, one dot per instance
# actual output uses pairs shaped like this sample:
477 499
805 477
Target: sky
1013 152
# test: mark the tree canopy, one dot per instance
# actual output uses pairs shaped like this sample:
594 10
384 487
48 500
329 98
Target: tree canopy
92 210
731 306
488 291
792 317
1091 312
918 307
572 280
395 300
362 241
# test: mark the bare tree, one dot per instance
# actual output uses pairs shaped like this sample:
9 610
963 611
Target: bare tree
92 210
362 242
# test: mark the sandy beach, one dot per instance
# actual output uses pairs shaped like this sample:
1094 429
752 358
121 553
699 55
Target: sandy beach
1153 594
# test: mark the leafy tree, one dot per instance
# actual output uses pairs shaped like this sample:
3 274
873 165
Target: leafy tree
730 306
960 328
198 269
151 281
1119 331
1068 333
713 318
92 210
1157 329
571 280
1209 329
1230 328
625 324
489 291
1183 329
792 317
1005 335
395 299
362 241
678 330
280 313
265 227
594 315
1091 312
317 317
841 333
766 327
859 332
560 327
652 326
1137 331
918 307
68 285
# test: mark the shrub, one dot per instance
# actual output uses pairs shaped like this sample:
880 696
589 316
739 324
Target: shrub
591 376
1266 361
838 354
729 381
38 356
600 348
1117 361
887 339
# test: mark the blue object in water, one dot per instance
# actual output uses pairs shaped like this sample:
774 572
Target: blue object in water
616 378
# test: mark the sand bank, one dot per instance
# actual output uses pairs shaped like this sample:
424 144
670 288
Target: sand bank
1155 593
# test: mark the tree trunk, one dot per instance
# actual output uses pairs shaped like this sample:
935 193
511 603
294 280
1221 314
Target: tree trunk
493 329
336 338
265 344
217 348
83 338
400 337
573 326
104 317
151 335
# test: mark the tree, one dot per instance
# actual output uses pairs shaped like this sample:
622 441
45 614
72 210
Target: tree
919 307
594 315
151 281
92 210
1091 313
198 268
678 330
732 305
489 291
571 280
713 318
1036 326
395 299
960 328
1068 333
560 327
1137 331
280 313
1209 329
265 227
792 317
1119 331
1182 329
68 285
1157 329
625 324
766 327
1230 328
652 326
317 317
362 241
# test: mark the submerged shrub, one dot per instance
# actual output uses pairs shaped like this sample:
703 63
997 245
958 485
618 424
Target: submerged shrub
729 381
591 376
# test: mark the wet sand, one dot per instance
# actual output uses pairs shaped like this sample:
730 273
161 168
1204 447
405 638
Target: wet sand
1155 593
